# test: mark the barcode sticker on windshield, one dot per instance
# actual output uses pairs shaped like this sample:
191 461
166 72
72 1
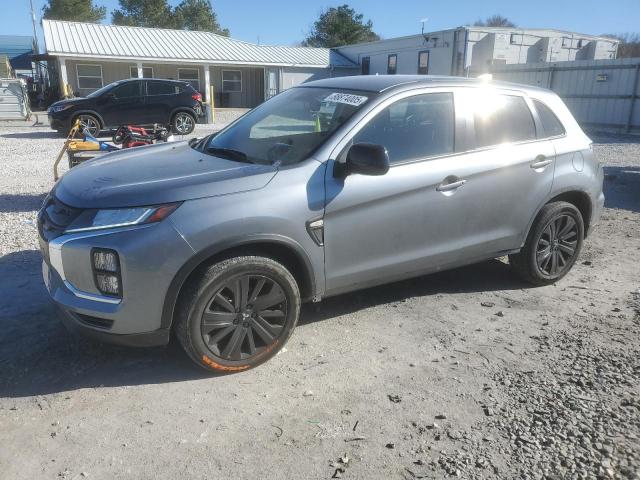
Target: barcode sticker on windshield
349 99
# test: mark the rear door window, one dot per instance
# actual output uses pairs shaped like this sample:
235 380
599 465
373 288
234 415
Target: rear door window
550 124
127 90
161 88
501 119
413 128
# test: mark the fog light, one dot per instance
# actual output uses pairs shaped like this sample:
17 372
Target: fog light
105 260
108 284
106 271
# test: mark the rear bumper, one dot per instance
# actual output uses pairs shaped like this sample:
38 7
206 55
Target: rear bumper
76 324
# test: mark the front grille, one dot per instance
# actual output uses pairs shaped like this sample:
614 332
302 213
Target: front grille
54 218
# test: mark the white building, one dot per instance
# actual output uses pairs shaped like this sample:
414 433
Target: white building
473 50
86 56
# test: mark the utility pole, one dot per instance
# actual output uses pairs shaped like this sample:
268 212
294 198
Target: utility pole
36 48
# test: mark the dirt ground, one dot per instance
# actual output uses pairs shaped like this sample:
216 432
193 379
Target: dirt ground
466 373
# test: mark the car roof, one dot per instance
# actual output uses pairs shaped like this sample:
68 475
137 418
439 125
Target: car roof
126 80
381 83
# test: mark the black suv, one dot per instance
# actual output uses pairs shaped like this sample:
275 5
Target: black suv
131 102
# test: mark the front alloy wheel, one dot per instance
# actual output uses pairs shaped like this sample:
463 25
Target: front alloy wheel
237 313
89 124
245 317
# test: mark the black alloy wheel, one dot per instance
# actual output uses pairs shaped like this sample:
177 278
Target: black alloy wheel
246 316
238 313
557 245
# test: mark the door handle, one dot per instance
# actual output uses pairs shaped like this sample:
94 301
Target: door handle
447 187
540 162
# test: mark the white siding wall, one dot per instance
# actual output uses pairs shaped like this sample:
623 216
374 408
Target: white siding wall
407 49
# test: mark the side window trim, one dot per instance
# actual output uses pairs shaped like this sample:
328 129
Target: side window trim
338 153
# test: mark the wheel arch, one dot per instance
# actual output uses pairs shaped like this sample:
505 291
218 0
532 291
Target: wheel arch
575 196
278 248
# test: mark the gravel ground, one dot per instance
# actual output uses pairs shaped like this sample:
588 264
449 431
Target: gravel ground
467 373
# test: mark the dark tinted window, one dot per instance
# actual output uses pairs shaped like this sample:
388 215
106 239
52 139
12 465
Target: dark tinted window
550 123
414 127
161 88
502 119
127 90
392 64
366 64
423 63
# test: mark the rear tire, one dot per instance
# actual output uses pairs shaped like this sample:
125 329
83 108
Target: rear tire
183 123
238 313
552 246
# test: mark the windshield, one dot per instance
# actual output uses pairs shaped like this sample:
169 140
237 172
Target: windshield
100 91
288 128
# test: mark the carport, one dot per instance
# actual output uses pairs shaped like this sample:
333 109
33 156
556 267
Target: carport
229 73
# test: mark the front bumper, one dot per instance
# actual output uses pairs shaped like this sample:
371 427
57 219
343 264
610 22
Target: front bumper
150 256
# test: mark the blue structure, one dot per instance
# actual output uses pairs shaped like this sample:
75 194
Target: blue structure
19 49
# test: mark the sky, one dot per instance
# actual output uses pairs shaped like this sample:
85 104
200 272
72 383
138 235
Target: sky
286 22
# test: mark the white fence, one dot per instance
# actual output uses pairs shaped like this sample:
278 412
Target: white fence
601 94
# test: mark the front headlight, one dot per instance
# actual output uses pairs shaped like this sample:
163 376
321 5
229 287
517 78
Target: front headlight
60 108
120 217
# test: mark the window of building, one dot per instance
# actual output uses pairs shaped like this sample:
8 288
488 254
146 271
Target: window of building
501 119
127 90
550 124
580 43
423 63
513 39
366 65
231 81
191 75
162 88
413 128
89 76
392 64
147 72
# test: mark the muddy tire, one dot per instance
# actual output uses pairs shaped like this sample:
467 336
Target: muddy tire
238 313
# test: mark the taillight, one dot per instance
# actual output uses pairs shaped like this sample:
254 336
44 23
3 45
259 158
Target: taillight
197 96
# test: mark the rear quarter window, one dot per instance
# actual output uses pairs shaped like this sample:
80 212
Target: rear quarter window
501 119
162 88
551 125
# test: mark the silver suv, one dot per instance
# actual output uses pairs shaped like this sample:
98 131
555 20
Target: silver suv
329 187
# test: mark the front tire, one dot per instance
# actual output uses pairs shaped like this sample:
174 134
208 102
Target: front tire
89 124
238 313
552 246
183 123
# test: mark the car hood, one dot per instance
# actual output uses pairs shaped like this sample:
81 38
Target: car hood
155 174
68 101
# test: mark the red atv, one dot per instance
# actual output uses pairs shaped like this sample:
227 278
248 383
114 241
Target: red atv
131 136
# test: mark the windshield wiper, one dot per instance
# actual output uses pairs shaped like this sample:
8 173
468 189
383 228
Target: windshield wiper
229 153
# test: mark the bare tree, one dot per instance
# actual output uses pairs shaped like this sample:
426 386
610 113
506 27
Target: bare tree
629 44
494 21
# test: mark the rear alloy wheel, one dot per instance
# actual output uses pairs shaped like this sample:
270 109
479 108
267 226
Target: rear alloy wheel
553 244
89 124
238 314
183 123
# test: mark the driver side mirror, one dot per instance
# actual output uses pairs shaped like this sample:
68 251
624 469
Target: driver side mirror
365 159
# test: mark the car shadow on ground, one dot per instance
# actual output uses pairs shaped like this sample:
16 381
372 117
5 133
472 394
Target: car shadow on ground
622 188
38 355
21 203
35 135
